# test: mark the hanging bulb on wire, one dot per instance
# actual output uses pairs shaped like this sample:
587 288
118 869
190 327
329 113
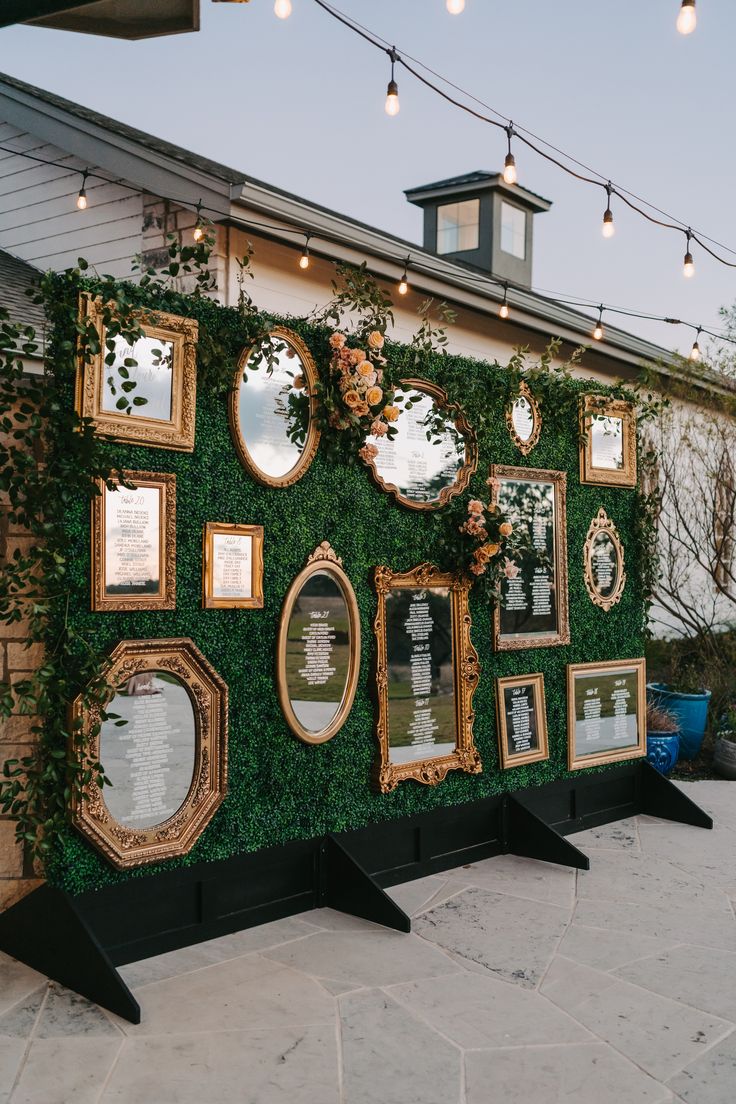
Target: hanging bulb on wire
282 9
687 19
454 7
82 197
403 283
392 92
598 331
695 351
503 310
608 228
198 232
509 165
304 259
688 267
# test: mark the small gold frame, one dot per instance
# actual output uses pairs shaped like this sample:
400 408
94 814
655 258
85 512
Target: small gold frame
608 408
601 523
575 762
313 434
471 451
165 598
524 447
221 528
176 432
534 755
466 672
559 481
128 846
324 558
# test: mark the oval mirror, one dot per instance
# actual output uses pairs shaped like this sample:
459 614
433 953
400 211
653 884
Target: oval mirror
149 760
433 454
272 407
603 556
524 420
318 655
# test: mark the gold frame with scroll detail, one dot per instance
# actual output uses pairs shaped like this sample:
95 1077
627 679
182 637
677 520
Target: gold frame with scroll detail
617 754
176 432
524 447
608 408
601 523
465 430
313 434
466 671
165 599
216 528
324 558
508 759
559 480
129 846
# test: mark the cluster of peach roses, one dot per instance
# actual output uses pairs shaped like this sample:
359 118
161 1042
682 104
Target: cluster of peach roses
360 375
476 525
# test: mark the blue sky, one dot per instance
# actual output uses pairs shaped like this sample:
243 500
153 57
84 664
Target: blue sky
299 103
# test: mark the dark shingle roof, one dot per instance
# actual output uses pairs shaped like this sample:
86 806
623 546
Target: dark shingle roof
478 176
16 277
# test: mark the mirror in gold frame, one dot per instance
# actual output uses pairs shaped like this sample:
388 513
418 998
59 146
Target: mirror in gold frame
524 420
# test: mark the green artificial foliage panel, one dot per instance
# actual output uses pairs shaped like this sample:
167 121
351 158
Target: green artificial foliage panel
279 788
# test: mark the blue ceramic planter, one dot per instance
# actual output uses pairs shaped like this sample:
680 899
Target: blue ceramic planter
691 710
663 750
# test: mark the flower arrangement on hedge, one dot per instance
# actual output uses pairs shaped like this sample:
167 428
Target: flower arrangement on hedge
474 538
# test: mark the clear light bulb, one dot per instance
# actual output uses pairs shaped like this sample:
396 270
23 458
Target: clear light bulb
504 310
454 7
598 332
198 233
82 200
688 268
695 352
687 19
304 260
403 286
608 228
509 169
282 9
392 98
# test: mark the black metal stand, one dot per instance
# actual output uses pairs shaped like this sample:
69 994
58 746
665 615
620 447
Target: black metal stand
346 886
526 834
660 798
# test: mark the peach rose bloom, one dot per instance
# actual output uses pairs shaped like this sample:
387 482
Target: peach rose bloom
391 413
357 355
374 396
379 428
365 368
475 506
477 569
337 340
361 409
352 398
368 452
506 529
375 339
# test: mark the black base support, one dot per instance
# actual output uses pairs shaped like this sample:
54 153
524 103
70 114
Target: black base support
78 941
48 932
526 834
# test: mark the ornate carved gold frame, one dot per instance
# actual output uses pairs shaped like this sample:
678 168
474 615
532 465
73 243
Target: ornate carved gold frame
559 480
124 846
166 598
611 408
177 432
255 601
312 440
324 558
616 755
524 447
387 775
601 523
471 451
506 758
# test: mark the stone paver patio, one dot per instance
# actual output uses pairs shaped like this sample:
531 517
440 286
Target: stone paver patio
522 982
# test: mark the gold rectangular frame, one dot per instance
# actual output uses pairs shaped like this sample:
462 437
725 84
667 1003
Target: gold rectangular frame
255 601
166 598
612 408
614 756
506 758
387 775
175 433
559 480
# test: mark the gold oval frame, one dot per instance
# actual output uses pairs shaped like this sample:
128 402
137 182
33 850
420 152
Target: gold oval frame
601 523
313 434
524 447
324 558
129 846
471 451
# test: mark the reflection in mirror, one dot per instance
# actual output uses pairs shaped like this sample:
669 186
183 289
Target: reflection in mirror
433 454
523 418
603 560
607 442
152 377
604 564
150 759
271 409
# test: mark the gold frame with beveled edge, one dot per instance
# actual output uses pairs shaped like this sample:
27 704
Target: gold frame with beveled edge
213 528
601 523
616 755
524 447
611 408
508 759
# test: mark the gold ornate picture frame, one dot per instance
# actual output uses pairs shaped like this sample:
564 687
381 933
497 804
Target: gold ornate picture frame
133 539
310 645
175 431
560 632
463 428
430 769
596 574
599 713
141 675
528 726
602 461
524 445
295 346
232 566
